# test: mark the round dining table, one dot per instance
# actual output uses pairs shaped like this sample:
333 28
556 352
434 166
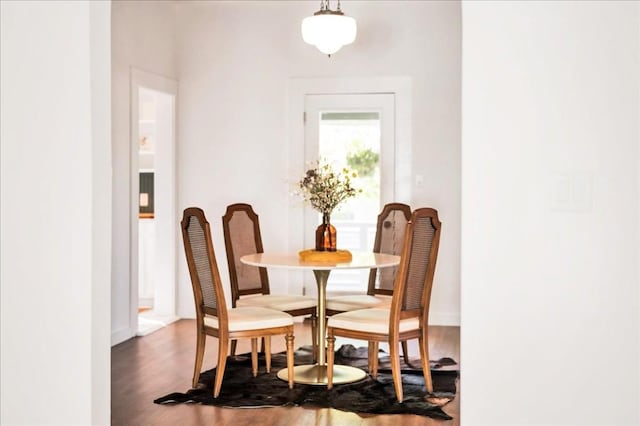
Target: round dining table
316 374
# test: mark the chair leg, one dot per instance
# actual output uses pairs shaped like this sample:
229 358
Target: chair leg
200 341
405 351
331 342
314 337
234 344
222 363
373 358
395 368
424 359
267 352
254 356
289 338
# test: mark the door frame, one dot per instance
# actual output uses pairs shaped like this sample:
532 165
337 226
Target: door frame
298 89
142 79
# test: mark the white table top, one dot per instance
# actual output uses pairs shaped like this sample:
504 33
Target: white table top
292 261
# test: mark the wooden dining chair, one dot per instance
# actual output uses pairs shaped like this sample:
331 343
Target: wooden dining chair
390 228
250 284
408 316
213 318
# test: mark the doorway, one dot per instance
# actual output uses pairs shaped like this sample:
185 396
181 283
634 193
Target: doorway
153 218
355 131
304 123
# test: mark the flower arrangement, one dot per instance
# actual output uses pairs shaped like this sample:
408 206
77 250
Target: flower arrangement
325 189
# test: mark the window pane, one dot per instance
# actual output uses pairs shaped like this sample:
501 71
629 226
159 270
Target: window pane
352 139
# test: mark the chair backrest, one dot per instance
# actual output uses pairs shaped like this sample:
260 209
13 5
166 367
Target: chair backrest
415 274
203 269
242 236
392 222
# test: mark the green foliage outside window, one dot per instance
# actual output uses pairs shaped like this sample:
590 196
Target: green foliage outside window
363 161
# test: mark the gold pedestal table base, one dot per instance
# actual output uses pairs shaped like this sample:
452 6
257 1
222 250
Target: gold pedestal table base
317 374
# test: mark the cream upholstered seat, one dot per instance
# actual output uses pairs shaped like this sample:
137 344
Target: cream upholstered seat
373 320
241 319
352 302
276 301
212 316
408 316
250 284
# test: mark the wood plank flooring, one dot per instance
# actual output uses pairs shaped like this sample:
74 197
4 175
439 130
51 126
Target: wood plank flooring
145 368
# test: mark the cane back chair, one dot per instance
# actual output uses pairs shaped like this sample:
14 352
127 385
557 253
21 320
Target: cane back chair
250 284
213 318
408 315
390 228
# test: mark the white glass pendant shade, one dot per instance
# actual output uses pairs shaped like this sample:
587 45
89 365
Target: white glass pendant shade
329 31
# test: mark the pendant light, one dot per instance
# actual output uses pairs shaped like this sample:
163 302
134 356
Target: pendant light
328 29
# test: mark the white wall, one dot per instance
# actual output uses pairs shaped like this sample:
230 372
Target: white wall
56 213
550 324
143 38
235 61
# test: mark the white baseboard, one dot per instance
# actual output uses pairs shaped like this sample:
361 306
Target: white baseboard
443 318
121 335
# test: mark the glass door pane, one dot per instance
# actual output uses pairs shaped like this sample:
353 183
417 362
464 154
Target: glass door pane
352 139
353 131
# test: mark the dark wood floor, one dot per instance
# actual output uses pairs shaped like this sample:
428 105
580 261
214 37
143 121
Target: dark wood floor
144 368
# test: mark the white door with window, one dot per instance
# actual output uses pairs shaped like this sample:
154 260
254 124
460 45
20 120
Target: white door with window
356 131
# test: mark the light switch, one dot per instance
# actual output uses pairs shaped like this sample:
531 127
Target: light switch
419 180
572 192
